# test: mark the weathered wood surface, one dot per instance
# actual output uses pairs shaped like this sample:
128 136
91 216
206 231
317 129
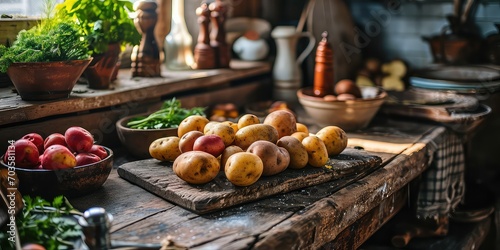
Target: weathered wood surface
306 218
218 194
125 89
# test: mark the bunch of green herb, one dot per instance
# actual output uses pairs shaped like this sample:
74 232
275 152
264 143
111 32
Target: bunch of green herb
170 115
45 223
102 22
53 39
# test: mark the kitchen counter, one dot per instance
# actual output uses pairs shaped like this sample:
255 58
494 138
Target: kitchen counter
341 214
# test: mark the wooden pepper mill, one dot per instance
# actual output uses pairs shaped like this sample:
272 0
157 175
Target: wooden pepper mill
323 69
204 54
218 34
146 57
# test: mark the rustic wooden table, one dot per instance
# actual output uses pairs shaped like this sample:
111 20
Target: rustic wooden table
340 214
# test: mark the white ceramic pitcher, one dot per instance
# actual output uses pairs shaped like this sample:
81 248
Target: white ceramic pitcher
286 70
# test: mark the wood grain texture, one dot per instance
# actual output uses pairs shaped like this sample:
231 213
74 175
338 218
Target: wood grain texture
159 179
327 214
125 89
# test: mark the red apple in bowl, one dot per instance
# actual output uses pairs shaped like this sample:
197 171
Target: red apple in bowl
58 157
86 158
99 151
25 154
54 139
79 139
37 139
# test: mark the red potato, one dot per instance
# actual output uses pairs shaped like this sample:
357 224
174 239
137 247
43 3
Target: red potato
86 158
54 139
26 154
37 139
99 151
186 142
212 144
58 157
78 139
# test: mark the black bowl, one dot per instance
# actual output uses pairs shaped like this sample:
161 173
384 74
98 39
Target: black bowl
70 182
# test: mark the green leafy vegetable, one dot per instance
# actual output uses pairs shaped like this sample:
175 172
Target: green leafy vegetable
47 223
170 115
53 39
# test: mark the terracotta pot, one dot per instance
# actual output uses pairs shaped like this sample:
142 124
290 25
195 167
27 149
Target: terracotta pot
46 80
100 71
454 49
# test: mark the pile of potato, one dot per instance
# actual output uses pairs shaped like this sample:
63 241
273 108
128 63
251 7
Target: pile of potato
246 150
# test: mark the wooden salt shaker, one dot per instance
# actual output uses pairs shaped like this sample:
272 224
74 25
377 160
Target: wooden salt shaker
323 69
218 34
146 57
204 54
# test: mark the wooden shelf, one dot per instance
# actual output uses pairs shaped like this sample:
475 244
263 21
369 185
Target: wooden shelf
125 89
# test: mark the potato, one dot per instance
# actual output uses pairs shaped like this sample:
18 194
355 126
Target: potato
186 142
223 130
296 150
211 144
191 123
274 158
243 169
165 148
196 167
255 132
284 122
233 125
316 151
300 135
335 139
209 125
248 119
302 128
228 151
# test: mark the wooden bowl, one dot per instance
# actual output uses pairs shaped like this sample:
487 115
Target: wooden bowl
137 141
46 80
349 115
71 182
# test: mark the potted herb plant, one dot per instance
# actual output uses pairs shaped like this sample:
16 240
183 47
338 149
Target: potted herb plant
45 61
108 28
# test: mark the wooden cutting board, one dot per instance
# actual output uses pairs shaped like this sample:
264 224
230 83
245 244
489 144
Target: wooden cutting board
158 178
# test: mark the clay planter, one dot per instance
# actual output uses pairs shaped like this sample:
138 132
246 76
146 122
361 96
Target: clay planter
101 70
46 80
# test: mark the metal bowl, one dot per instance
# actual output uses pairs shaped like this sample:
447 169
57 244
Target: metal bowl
349 115
71 182
137 141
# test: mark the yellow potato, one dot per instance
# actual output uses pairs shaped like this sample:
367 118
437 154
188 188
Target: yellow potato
296 150
209 125
196 167
255 132
284 122
224 131
165 149
192 123
300 135
302 128
335 139
232 125
248 119
243 168
228 151
316 151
